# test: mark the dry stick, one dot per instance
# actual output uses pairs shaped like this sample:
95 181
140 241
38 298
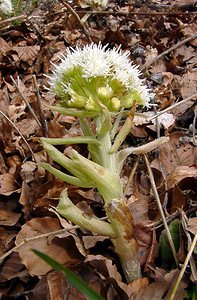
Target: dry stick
184 267
173 106
41 114
155 59
194 126
156 195
184 223
131 176
47 234
159 223
137 13
73 12
21 17
27 103
36 30
22 136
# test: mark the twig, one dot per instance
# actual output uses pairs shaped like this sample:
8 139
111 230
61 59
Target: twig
155 59
41 114
184 223
156 195
159 223
22 136
21 17
47 234
137 13
172 106
27 103
74 13
36 29
131 176
194 126
183 268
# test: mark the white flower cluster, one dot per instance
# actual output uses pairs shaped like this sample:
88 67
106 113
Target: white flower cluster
95 74
93 3
5 7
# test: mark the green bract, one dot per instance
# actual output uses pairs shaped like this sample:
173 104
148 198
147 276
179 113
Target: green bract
94 76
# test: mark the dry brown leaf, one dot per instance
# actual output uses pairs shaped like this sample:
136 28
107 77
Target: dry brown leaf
27 53
186 52
174 154
26 199
11 268
4 46
7 184
179 199
139 285
16 111
6 240
89 194
91 240
13 163
189 84
106 269
56 250
138 206
55 130
27 126
190 30
57 286
180 173
192 225
27 171
8 218
157 291
144 237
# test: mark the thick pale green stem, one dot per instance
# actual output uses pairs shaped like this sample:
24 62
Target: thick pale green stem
120 217
74 214
125 244
107 159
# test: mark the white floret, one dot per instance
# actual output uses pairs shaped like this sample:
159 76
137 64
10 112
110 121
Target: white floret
95 61
93 3
6 7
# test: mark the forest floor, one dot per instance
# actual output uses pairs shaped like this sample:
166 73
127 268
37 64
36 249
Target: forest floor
162 39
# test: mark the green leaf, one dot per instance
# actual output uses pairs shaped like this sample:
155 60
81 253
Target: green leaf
76 281
72 140
164 246
72 112
65 177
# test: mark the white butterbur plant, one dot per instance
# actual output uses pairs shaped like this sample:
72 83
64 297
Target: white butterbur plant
93 3
5 7
89 77
100 86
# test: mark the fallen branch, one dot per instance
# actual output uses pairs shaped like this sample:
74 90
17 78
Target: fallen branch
75 14
172 106
128 13
25 100
184 267
156 195
155 59
21 135
47 234
41 114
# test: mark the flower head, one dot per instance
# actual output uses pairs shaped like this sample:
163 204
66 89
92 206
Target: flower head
5 7
94 75
93 3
